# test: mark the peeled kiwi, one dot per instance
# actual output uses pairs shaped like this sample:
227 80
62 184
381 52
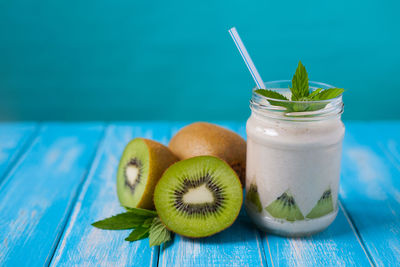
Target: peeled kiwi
323 206
141 166
198 197
253 197
203 138
285 207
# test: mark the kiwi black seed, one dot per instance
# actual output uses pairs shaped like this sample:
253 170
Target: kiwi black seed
141 166
198 197
134 163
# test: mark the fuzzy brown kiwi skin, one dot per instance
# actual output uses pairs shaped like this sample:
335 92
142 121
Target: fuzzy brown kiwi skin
160 159
202 138
196 237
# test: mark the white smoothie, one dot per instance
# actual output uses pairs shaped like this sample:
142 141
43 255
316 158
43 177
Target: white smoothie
296 159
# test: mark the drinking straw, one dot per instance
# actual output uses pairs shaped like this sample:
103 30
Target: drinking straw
246 57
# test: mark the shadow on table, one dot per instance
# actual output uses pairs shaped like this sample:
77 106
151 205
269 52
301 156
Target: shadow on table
242 231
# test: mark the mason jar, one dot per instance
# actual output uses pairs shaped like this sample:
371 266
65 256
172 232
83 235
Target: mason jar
293 162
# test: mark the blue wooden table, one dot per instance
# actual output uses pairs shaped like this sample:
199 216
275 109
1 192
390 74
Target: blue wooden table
58 178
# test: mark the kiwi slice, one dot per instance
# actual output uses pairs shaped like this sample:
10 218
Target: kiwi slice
198 197
141 166
285 207
323 206
202 138
253 197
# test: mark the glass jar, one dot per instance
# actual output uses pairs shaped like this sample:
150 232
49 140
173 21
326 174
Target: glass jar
293 162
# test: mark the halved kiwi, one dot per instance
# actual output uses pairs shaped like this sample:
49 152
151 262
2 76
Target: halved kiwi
323 206
141 166
198 197
285 207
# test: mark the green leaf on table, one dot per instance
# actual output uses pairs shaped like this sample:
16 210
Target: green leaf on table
123 221
148 222
142 212
139 233
159 234
299 87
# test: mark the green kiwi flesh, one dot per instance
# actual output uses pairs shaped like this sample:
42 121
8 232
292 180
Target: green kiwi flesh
323 206
132 172
253 197
285 207
141 166
198 197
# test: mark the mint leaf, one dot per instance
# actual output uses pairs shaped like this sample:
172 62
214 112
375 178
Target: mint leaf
300 83
300 106
142 212
314 94
138 233
317 95
275 95
271 94
329 94
127 220
147 222
158 233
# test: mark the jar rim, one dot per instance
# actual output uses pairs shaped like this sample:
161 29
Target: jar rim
324 86
264 106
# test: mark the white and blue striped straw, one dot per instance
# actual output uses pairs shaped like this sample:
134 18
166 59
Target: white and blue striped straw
246 57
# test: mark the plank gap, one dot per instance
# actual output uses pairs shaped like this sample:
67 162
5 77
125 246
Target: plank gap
20 155
77 192
356 232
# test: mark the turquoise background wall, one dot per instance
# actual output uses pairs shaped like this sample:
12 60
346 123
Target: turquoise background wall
174 60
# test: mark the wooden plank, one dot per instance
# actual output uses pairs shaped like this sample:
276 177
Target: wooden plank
14 139
238 245
338 245
370 187
35 200
82 244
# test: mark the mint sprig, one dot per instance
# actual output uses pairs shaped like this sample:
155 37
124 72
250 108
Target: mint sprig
145 223
299 87
301 92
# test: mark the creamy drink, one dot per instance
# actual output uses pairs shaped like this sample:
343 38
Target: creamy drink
293 161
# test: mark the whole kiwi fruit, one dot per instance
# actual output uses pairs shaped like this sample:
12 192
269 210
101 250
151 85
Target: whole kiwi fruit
202 138
141 166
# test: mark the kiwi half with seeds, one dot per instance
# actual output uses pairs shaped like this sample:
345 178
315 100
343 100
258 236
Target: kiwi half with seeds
198 197
323 206
141 166
253 197
285 207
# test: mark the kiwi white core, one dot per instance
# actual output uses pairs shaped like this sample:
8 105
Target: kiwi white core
198 195
132 174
